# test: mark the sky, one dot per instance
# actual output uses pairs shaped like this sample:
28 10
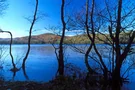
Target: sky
14 17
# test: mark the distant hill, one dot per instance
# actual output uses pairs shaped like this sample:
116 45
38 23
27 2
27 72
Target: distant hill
52 38
35 39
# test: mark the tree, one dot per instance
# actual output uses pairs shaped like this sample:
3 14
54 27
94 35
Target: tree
30 33
119 19
120 57
88 34
3 5
14 69
114 20
93 28
61 55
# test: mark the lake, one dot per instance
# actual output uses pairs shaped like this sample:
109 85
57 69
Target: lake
41 65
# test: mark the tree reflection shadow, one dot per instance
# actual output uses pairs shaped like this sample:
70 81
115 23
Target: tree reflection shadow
25 74
14 74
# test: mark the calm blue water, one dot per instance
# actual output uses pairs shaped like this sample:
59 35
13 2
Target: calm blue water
41 65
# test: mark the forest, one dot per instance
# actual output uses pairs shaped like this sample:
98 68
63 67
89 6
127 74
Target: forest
104 48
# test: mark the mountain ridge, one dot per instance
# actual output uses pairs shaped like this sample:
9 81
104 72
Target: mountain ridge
49 38
35 39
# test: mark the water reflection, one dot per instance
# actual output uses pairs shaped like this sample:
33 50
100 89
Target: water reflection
42 64
14 74
25 74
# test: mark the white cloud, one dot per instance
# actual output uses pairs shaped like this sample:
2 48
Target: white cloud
4 35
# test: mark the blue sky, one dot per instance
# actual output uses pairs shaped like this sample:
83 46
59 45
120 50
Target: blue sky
14 16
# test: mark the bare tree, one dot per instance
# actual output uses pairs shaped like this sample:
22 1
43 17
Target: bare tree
115 20
87 30
14 69
120 57
3 5
119 19
61 55
92 27
30 33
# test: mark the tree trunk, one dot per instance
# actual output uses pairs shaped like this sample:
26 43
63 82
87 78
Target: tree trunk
61 62
92 39
116 79
14 66
30 32
61 54
14 69
90 70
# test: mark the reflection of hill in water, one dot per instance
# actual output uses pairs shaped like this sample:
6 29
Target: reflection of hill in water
44 50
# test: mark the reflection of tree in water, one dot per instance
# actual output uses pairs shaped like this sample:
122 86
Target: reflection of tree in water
14 74
10 50
25 74
3 55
